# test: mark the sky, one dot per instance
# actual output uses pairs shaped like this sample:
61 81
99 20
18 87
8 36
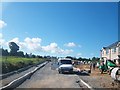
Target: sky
78 29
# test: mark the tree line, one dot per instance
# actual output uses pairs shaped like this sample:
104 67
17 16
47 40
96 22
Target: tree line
93 59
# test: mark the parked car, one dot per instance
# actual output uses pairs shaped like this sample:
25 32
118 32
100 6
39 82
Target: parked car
65 65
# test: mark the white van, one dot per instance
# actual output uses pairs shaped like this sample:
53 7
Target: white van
65 65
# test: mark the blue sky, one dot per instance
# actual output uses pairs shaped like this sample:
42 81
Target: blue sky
60 29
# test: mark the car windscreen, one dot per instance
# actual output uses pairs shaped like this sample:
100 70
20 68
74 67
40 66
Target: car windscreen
66 61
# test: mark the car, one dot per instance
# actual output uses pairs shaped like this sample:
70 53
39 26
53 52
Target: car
65 65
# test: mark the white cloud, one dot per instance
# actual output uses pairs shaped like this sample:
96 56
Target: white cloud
2 42
33 40
2 24
30 44
67 51
34 45
50 48
53 48
16 40
70 44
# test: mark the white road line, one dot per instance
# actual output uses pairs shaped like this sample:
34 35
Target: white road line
86 84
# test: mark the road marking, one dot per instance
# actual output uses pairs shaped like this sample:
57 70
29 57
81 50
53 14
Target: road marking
86 84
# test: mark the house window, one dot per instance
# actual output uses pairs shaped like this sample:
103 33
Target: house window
114 50
103 52
107 51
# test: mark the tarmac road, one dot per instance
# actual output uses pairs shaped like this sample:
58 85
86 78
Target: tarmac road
48 77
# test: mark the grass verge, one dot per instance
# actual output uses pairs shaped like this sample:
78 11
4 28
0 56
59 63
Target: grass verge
11 63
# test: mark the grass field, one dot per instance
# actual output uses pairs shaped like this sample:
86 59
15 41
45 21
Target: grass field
11 63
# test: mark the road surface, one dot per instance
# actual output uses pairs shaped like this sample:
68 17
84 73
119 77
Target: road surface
48 77
7 80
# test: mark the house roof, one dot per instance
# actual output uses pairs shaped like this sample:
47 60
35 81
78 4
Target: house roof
112 45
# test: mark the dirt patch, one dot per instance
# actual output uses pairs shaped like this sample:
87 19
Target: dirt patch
83 66
96 79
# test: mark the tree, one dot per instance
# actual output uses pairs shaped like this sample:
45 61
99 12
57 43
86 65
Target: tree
95 59
20 53
33 56
26 55
70 57
45 56
38 56
80 59
4 52
13 48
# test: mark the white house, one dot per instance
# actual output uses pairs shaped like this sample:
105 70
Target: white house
111 52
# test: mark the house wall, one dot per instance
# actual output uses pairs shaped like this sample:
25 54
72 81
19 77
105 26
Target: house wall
114 54
111 54
103 53
106 55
